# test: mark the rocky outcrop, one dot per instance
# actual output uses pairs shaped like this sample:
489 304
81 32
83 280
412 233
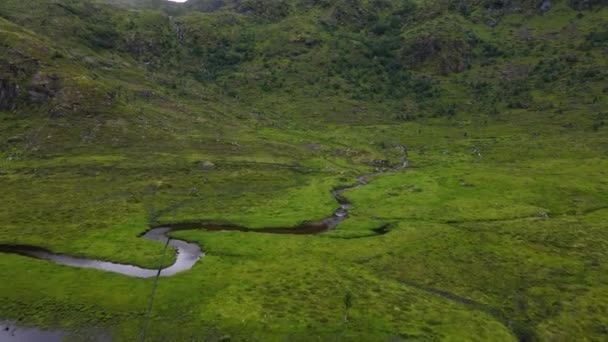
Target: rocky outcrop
545 6
444 45
451 56
43 88
582 5
206 165
9 92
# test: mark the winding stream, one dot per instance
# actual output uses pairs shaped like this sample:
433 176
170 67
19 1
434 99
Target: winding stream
12 332
189 253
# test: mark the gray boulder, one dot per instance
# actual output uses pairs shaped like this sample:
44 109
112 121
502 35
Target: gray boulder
206 165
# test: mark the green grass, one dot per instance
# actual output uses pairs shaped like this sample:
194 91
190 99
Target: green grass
468 255
497 229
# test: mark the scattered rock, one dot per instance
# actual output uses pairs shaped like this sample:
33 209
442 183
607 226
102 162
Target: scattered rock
14 139
491 22
90 61
543 214
380 163
514 10
475 152
206 165
545 6
313 147
582 5
87 138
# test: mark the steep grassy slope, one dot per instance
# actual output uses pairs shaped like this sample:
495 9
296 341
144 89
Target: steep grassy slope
115 115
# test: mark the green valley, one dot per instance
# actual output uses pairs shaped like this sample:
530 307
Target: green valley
118 116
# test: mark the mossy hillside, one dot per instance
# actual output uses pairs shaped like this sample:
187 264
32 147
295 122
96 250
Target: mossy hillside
375 60
492 84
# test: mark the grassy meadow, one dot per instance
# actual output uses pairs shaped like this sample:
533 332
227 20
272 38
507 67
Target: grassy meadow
497 229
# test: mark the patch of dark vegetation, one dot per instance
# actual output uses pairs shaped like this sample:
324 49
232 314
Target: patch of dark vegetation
384 229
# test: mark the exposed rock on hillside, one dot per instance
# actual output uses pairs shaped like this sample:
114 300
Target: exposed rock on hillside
9 92
442 44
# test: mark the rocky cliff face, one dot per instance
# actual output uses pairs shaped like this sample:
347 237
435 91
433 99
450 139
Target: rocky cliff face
9 92
39 90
